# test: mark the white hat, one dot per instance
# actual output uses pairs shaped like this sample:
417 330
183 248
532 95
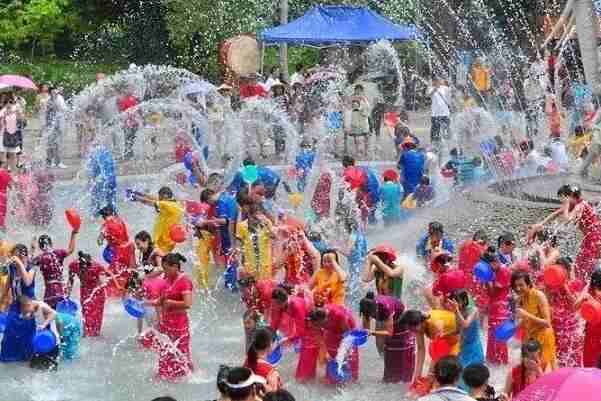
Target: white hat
276 83
224 87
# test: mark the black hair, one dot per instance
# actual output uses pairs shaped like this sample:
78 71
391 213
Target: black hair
262 340
165 192
279 294
454 152
44 242
173 259
368 307
236 376
520 275
107 211
596 279
447 371
476 375
222 373
505 238
248 162
570 191
84 259
206 194
578 130
530 347
359 86
332 251
165 398
480 235
145 237
565 262
477 161
435 227
412 318
348 161
279 395
425 180
490 255
461 297
317 315
20 250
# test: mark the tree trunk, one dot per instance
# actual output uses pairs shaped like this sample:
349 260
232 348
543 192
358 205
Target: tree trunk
588 33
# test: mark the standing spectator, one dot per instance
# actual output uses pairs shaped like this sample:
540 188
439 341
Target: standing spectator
11 115
534 92
297 105
127 104
55 124
441 110
299 75
278 93
41 103
359 127
480 76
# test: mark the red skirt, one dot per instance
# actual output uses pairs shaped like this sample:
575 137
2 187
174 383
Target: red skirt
592 345
175 357
92 309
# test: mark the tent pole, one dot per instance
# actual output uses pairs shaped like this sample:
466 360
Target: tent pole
262 63
284 46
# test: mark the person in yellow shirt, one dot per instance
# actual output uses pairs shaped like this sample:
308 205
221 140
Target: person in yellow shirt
170 213
534 315
480 76
255 234
329 281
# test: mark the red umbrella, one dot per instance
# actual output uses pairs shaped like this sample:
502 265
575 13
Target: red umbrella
355 176
567 384
17 81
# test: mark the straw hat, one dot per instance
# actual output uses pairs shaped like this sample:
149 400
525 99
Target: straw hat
276 83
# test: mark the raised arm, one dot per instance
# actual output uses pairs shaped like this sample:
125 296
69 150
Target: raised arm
72 243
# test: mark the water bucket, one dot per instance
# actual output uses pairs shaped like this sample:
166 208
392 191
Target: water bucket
484 272
338 375
554 276
359 337
591 311
67 306
506 330
44 341
134 307
275 356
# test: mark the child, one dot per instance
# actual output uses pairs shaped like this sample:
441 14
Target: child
392 194
476 376
530 369
69 329
424 193
279 96
479 171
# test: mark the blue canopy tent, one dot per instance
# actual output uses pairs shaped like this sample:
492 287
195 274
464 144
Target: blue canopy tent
329 25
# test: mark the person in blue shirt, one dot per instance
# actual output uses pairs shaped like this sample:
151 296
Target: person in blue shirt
392 195
411 165
18 335
434 241
224 219
304 164
268 178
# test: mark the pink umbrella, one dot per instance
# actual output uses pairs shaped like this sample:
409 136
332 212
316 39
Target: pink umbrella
17 81
567 384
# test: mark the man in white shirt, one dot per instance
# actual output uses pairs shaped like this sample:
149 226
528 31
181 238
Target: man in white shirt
447 372
441 111
559 153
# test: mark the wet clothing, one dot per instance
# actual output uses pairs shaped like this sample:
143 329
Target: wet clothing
50 264
170 214
92 296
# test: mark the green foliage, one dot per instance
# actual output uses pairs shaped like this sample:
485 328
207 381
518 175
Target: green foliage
34 21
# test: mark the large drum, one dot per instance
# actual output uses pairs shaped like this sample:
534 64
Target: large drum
240 54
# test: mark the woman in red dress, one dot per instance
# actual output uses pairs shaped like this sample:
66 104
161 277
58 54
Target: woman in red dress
175 357
592 331
123 262
92 292
576 210
564 319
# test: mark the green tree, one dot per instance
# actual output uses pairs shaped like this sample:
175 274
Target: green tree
35 22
